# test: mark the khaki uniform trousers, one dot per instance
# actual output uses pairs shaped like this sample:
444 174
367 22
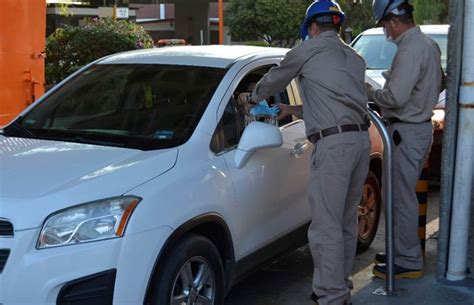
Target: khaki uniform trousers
339 167
411 144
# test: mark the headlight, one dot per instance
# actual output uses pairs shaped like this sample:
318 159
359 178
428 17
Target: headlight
438 119
87 222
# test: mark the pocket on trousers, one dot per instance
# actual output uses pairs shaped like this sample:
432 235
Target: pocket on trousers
317 158
396 137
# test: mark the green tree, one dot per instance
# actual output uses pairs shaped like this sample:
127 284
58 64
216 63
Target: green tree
71 47
358 15
431 11
275 21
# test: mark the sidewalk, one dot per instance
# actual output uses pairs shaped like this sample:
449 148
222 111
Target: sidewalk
422 291
426 290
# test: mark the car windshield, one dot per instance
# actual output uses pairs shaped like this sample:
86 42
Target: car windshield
379 53
132 105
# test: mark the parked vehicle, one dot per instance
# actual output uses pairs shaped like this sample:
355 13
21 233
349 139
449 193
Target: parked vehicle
170 42
379 53
134 182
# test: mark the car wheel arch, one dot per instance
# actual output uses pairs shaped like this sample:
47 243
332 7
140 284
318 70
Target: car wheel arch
376 166
211 226
366 235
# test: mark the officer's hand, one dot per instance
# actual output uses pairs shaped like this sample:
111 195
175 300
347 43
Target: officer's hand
285 110
370 90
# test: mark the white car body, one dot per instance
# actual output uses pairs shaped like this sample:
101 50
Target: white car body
256 203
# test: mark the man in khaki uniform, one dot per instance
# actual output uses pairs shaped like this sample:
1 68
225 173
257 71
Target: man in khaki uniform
331 79
411 91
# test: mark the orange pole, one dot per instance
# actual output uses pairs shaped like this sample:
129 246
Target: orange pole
221 21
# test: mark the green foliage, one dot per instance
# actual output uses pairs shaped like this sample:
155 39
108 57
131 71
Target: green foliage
358 15
71 47
278 21
256 43
275 21
431 11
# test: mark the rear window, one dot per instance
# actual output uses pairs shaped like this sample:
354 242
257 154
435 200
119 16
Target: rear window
136 106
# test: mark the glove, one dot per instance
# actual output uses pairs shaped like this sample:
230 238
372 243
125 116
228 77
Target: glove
262 109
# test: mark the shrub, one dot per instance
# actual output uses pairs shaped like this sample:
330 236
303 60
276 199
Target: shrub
71 47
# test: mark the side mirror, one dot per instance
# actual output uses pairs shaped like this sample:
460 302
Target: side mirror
256 136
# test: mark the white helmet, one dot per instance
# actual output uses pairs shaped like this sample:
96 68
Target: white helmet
381 8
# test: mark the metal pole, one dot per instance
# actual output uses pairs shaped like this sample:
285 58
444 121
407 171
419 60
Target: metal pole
455 42
387 185
459 238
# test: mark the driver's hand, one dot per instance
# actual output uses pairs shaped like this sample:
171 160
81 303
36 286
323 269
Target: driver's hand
243 98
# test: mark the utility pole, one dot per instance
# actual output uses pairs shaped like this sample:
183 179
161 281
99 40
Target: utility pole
462 193
221 21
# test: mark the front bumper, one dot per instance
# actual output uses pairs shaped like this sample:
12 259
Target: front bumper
36 277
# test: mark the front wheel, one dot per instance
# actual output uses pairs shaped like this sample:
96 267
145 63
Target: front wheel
369 212
191 273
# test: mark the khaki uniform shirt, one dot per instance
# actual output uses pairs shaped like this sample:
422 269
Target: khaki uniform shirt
331 78
413 82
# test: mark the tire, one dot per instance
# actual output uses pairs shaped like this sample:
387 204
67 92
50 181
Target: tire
369 212
194 257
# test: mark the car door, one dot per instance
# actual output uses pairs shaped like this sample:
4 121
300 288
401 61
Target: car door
294 193
270 190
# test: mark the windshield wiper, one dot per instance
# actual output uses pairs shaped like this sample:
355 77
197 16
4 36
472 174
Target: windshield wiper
75 137
15 129
82 140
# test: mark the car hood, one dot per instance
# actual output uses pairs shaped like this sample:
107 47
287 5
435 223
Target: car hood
60 174
376 75
35 168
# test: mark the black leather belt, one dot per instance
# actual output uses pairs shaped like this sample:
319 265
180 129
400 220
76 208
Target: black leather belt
315 137
391 121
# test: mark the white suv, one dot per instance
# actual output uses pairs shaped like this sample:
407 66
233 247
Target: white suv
135 181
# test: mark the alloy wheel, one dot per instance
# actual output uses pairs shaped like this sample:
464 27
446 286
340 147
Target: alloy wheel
194 284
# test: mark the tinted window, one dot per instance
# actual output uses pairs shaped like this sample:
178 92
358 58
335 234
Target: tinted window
136 106
233 125
379 53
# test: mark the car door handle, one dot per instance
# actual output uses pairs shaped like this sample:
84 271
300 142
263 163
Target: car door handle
299 149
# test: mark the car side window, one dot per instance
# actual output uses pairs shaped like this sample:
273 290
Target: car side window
230 128
232 124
